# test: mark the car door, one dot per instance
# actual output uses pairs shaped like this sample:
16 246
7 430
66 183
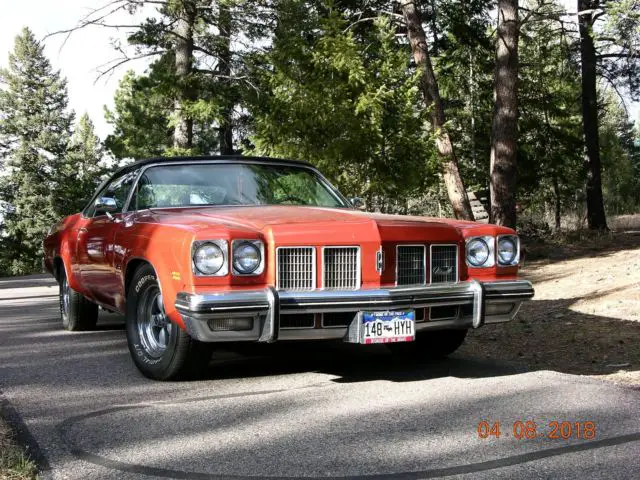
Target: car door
95 246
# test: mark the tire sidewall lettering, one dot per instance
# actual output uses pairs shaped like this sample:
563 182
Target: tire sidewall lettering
142 281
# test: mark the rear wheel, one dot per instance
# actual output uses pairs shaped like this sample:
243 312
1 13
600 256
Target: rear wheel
430 345
76 311
160 349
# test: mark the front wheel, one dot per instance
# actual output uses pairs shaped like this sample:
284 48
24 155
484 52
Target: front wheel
430 345
160 349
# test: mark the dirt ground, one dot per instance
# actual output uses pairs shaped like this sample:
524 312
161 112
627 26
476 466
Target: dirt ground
585 316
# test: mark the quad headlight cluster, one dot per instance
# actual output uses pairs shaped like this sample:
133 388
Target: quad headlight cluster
485 251
211 257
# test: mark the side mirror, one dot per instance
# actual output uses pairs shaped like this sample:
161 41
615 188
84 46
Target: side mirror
358 203
106 205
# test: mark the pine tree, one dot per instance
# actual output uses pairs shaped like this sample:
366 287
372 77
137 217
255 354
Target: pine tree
82 169
345 99
34 131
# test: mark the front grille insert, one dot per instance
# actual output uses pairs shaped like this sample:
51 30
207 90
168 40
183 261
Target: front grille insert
305 320
410 264
444 263
443 313
341 268
337 319
296 268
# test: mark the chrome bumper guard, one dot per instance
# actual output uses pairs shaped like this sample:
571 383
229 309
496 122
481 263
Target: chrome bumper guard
266 305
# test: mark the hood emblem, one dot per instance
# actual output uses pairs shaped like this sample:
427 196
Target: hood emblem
443 270
380 261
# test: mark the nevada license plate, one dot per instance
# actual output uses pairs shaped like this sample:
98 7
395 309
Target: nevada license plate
387 327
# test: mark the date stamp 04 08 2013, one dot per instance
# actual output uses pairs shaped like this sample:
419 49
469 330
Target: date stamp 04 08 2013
528 430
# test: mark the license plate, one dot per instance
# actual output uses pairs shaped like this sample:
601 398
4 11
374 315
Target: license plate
387 327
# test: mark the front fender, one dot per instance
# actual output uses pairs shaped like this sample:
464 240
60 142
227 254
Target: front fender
164 251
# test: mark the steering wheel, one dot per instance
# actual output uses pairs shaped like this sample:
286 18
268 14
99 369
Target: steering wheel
292 198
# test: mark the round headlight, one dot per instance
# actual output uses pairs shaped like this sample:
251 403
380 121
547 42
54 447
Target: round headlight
507 250
477 252
208 258
246 258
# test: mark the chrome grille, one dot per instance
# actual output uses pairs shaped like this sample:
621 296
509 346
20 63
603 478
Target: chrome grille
444 263
296 268
341 268
410 264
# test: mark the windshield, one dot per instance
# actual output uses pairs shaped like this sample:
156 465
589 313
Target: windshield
232 184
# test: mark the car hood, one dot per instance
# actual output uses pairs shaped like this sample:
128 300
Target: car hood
292 224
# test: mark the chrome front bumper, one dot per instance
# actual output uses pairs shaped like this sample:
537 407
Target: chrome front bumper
479 303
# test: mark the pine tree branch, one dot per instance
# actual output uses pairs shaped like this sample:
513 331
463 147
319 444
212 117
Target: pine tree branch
121 61
616 55
613 85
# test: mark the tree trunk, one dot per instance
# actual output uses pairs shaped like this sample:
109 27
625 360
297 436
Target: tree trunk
434 27
183 131
558 204
504 130
419 48
225 132
595 205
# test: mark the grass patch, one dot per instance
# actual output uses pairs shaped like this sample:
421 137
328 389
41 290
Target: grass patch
15 463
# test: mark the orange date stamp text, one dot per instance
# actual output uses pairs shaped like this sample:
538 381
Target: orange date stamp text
529 430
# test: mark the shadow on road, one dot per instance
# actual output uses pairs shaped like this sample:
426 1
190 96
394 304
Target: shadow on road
550 335
349 363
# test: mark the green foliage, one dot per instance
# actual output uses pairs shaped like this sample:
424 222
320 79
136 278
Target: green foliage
551 144
463 56
620 159
34 131
344 99
82 169
618 41
141 114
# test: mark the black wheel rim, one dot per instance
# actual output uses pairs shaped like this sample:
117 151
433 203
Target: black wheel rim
154 328
65 295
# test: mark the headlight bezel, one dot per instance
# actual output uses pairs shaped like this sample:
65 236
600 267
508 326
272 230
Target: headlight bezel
489 241
516 241
223 245
259 247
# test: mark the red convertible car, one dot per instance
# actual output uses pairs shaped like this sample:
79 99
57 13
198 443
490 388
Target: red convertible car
196 251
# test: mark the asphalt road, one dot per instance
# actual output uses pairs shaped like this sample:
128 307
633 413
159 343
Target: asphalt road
293 412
